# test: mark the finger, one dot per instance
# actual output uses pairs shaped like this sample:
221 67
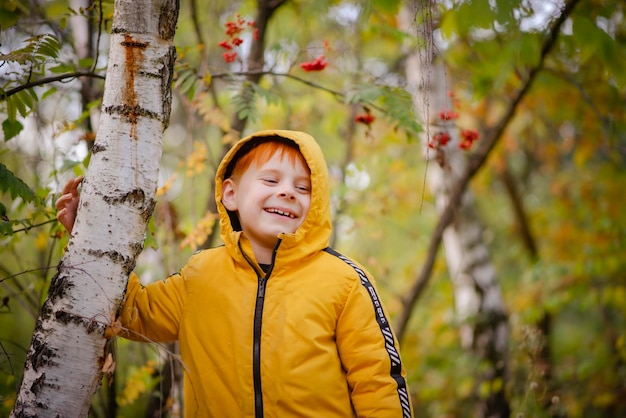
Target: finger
72 185
66 200
61 202
77 181
74 189
61 214
68 186
66 218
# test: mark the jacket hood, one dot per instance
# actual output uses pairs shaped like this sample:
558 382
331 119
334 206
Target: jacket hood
314 233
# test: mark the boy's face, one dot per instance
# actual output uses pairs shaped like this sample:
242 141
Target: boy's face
269 199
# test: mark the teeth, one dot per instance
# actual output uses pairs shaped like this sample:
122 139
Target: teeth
280 212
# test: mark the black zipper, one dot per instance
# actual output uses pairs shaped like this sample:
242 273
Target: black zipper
256 348
258 322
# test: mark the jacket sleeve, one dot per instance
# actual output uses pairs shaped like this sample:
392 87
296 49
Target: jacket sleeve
370 355
153 312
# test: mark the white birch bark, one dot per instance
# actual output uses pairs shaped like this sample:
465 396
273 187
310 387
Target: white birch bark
64 363
479 304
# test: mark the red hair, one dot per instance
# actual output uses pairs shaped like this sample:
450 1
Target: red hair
261 152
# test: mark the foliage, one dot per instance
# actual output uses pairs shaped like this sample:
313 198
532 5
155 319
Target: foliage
31 60
564 148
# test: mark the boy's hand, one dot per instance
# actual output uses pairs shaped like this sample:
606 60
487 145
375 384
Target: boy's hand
67 204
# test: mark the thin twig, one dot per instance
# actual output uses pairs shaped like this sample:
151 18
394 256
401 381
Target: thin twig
47 80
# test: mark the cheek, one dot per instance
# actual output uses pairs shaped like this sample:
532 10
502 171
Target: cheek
306 205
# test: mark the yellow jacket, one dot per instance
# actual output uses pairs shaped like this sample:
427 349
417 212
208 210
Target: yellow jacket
308 339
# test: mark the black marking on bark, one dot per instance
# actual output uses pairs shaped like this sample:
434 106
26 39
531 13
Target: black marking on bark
167 75
114 256
134 44
38 384
93 326
131 111
97 147
90 325
46 311
136 247
19 412
168 16
149 208
65 317
137 197
41 354
145 74
59 285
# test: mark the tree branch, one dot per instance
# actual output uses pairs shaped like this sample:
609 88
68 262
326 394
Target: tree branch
476 161
47 80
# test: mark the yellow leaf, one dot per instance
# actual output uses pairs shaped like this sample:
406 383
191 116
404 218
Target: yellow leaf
206 79
137 384
41 241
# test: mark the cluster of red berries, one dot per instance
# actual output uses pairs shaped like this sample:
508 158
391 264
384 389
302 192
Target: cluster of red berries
365 118
440 139
468 137
318 64
233 30
447 114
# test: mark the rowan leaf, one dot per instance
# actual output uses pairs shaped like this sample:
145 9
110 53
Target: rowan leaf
9 183
11 128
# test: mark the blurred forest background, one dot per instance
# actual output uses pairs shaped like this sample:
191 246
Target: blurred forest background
519 104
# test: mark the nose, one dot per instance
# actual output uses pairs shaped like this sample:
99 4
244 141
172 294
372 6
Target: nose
287 192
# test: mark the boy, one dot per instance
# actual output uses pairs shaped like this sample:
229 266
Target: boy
273 323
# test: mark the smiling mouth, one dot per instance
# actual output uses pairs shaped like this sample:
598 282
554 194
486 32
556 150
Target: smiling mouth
281 213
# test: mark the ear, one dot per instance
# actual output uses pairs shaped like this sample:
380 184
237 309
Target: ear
228 195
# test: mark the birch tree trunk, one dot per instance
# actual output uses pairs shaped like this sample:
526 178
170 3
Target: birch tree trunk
478 299
64 364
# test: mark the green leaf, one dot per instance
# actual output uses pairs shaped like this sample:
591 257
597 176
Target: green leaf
11 128
596 45
15 186
387 5
48 46
48 92
188 83
399 106
504 13
365 93
6 228
10 12
62 68
397 102
85 62
19 102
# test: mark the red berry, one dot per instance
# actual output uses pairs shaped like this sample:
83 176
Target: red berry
225 45
365 118
468 137
316 65
447 114
229 56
